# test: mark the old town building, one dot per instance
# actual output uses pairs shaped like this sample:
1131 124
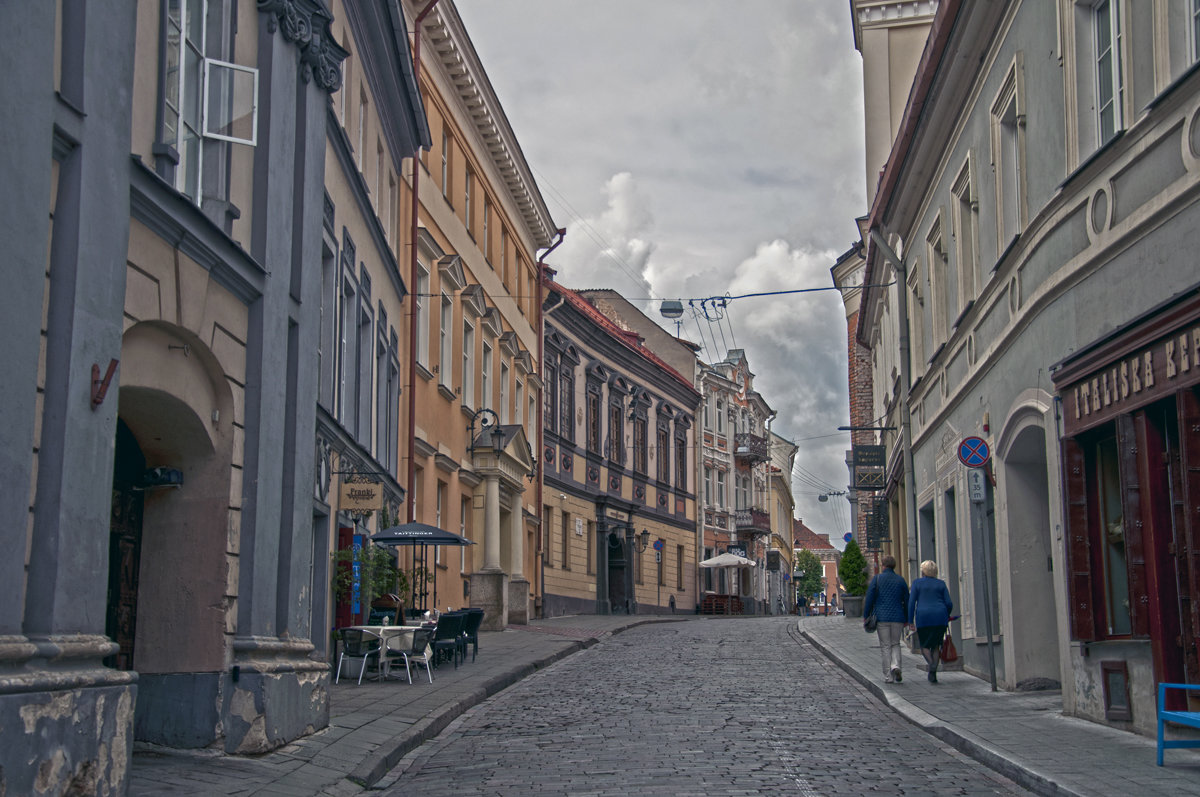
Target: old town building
736 457
163 309
1024 262
617 458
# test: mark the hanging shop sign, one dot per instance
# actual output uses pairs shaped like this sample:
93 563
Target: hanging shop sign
361 496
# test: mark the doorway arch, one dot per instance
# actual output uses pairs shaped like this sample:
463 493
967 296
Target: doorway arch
1032 655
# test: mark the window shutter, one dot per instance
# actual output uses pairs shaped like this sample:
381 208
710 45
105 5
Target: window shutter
1079 549
1129 443
1189 433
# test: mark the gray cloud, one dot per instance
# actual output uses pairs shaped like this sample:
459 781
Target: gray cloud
695 148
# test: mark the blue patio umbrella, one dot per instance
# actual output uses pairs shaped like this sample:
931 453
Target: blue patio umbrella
419 534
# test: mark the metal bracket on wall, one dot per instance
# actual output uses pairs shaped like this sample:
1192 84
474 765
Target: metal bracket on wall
100 386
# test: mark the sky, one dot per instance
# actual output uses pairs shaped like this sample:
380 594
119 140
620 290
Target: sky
697 149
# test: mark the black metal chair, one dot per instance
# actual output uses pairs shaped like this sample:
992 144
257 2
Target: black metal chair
357 644
446 636
470 634
418 652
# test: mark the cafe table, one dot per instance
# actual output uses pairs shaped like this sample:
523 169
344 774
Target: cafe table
400 637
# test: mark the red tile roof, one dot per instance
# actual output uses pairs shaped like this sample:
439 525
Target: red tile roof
809 540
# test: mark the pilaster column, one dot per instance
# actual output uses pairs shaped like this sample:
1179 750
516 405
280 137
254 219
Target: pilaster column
491 523
516 530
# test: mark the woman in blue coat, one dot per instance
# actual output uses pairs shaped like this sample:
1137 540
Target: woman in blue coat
929 608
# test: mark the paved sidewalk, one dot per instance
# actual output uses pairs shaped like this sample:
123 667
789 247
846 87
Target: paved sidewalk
373 726
1022 735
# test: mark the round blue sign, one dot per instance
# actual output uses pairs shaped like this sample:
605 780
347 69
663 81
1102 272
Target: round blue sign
847 536
973 452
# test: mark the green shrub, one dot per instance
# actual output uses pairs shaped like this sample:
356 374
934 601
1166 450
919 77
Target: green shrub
852 570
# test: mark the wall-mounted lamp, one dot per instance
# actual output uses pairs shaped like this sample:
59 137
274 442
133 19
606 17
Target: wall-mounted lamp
640 541
489 422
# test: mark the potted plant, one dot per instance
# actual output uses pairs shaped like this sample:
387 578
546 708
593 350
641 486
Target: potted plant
852 571
377 576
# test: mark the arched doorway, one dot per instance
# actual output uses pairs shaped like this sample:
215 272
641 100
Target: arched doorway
124 547
1034 622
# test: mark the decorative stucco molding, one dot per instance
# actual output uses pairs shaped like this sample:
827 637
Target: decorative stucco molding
305 23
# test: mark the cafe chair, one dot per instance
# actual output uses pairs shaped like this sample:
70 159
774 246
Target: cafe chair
446 636
421 653
470 634
357 644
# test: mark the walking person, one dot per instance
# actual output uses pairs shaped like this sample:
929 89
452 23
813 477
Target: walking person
929 608
887 598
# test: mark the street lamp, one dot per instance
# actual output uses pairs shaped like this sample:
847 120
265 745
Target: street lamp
640 541
488 421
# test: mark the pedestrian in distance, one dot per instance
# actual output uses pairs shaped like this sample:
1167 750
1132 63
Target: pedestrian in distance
929 608
887 599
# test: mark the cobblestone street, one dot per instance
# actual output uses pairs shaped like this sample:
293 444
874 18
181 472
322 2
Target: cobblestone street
702 707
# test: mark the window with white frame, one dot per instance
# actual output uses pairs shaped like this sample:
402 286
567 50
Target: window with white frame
916 316
708 486
446 341
720 409
445 163
468 364
1110 78
203 98
421 299
939 282
468 186
1008 155
487 223
365 362
1194 29
347 340
485 377
721 489
361 133
966 234
503 412
519 404
504 253
381 385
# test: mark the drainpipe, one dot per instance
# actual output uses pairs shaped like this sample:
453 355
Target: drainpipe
561 232
412 326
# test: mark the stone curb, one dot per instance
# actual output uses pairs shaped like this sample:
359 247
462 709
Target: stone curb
962 741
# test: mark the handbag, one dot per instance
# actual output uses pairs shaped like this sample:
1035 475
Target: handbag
949 652
869 623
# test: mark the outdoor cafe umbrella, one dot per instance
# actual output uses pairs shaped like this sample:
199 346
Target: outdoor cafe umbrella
421 534
727 560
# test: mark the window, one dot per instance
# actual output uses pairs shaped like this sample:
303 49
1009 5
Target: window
721 489
364 362
1113 553
468 364
487 223
347 338
549 393
1008 155
519 405
593 417
616 433
916 317
202 97
438 550
939 282
639 443
708 400
464 509
681 458
393 404
360 147
662 452
446 341
720 417
966 235
566 402
504 256
485 377
445 163
504 413
421 300
1110 85
708 480
566 541
590 540
467 202
381 386
390 219
343 91
1194 29
679 567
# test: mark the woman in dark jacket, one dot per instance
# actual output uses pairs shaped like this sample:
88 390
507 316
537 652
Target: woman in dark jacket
929 608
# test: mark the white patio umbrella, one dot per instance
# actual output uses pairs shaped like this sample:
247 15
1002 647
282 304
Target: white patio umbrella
727 560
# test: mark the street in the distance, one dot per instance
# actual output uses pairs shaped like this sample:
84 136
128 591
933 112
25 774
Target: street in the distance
702 707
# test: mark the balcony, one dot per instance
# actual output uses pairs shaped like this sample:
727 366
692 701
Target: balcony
753 521
750 448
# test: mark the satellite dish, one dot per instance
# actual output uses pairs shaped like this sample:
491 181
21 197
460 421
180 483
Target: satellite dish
671 308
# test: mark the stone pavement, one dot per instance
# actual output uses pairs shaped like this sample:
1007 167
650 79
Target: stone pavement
1022 735
372 726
